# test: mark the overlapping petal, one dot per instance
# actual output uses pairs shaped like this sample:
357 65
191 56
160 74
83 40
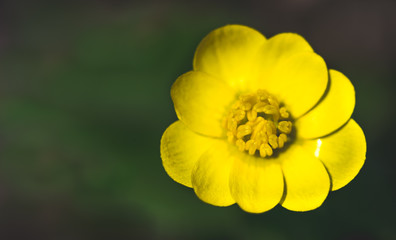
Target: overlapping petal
284 45
279 48
327 153
307 181
201 102
180 150
229 54
211 174
332 112
298 81
343 153
256 183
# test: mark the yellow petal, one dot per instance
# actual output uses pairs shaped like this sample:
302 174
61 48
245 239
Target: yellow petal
256 183
211 175
307 181
343 153
180 150
228 53
281 47
332 112
286 44
201 102
298 81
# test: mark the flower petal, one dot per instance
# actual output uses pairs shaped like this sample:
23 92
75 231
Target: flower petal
343 153
228 53
286 44
256 183
281 47
307 181
201 102
180 150
277 49
298 81
211 175
332 112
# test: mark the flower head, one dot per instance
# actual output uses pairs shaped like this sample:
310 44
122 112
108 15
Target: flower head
261 122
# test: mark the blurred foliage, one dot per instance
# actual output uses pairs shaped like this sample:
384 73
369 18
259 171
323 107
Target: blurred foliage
84 100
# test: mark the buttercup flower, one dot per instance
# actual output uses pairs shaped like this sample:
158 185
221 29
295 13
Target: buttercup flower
261 122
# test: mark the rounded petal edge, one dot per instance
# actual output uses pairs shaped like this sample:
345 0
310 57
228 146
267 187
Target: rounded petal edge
180 150
306 178
211 174
343 153
201 102
229 53
256 184
332 112
298 81
277 50
285 45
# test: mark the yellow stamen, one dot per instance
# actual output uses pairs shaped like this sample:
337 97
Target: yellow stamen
240 144
252 115
246 106
283 112
285 126
243 130
259 107
273 141
232 124
262 95
272 100
281 140
239 115
254 125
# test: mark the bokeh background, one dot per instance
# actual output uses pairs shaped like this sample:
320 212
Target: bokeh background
84 100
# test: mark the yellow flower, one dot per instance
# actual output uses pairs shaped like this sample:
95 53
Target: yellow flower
261 122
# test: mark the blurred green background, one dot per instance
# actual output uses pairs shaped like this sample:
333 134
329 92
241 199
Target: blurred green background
85 98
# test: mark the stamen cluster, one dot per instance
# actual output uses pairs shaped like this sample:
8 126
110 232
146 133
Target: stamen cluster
256 122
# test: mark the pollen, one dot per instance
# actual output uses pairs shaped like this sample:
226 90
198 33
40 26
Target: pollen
258 124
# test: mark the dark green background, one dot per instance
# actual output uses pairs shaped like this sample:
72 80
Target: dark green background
84 100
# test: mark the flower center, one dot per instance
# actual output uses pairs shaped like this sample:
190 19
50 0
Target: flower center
257 124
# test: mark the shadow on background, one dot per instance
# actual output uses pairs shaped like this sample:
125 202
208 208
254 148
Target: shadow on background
84 100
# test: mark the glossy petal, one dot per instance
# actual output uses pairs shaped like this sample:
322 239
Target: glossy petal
277 49
281 47
201 102
256 183
285 45
307 181
180 150
298 81
332 112
229 53
211 175
343 153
